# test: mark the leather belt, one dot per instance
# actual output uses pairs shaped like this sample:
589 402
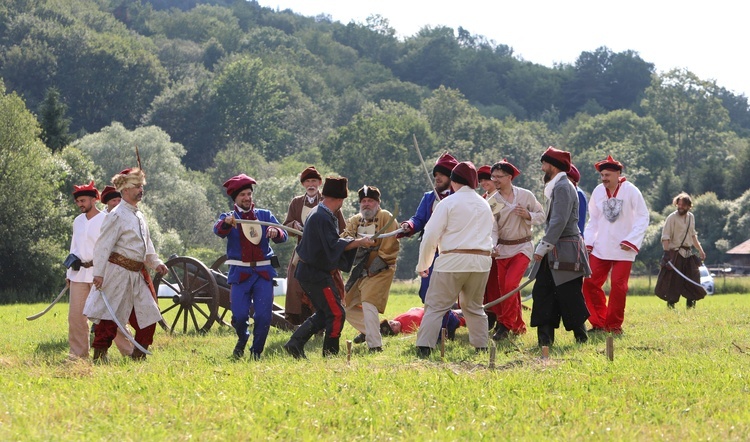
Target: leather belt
87 264
512 242
126 263
236 262
468 251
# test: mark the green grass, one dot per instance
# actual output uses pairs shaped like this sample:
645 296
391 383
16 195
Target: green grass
676 375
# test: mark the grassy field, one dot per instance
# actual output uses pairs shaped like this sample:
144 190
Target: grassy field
676 375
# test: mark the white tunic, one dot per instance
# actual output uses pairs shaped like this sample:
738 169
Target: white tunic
463 221
85 234
124 231
627 223
509 226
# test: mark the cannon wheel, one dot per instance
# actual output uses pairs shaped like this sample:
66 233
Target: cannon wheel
223 308
192 288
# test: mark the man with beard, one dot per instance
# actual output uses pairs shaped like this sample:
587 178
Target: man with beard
562 255
297 305
618 218
518 211
80 274
251 264
461 228
370 281
416 224
678 238
121 256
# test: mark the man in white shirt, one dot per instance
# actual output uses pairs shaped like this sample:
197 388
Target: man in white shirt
80 275
461 229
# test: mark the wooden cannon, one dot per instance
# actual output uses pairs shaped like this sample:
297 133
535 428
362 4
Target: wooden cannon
192 296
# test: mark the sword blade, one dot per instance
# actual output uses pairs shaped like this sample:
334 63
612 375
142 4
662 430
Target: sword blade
122 329
685 277
532 276
388 224
40 314
268 224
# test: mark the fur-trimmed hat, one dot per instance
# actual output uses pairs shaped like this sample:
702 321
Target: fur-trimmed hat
484 173
335 187
86 190
310 172
558 158
129 178
465 173
237 184
574 174
369 192
110 193
608 163
445 164
506 167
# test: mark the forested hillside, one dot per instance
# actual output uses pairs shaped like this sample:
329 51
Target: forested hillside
209 89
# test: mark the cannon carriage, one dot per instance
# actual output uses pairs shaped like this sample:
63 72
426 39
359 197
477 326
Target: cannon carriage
193 297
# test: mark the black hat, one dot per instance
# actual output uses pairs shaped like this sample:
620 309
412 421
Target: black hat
335 187
369 192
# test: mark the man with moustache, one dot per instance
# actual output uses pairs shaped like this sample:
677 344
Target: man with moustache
297 305
122 255
561 255
80 274
618 218
518 211
416 224
251 264
678 238
370 281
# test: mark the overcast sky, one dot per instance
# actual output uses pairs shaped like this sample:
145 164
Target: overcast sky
709 38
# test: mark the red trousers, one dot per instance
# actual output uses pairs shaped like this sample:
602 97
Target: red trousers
607 315
505 275
105 331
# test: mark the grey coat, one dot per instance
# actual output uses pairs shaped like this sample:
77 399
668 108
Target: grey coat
562 241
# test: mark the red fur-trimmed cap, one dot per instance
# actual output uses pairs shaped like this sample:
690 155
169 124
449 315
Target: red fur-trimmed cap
237 184
465 173
445 164
507 167
574 174
484 173
86 190
609 163
109 193
558 158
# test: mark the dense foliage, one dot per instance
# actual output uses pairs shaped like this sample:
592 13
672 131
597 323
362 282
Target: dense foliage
209 89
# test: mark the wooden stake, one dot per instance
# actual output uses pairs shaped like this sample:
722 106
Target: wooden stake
610 348
493 352
444 334
545 352
348 350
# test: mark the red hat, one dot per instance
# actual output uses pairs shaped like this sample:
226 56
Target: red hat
109 193
506 167
445 164
574 174
609 163
558 158
237 184
465 173
484 173
86 190
335 187
369 192
308 173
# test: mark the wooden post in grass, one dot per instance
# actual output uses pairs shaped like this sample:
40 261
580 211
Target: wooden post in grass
610 348
348 350
545 352
493 352
443 337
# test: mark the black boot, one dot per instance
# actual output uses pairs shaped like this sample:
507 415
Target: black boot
545 335
580 334
491 319
423 352
501 332
239 349
330 346
691 303
138 355
296 344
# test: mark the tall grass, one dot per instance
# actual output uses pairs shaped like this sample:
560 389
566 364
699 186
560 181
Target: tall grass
676 375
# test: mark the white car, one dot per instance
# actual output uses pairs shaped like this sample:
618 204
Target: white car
707 280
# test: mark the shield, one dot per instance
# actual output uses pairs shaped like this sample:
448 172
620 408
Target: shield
253 232
495 204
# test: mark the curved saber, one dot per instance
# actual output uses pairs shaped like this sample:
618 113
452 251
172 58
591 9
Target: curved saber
123 330
379 233
266 223
685 276
40 314
389 234
532 276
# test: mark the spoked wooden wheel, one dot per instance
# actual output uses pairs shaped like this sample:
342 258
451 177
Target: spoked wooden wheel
220 270
192 294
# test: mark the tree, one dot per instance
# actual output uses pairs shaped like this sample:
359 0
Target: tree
53 121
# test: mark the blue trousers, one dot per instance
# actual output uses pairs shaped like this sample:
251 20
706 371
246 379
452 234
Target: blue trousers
254 293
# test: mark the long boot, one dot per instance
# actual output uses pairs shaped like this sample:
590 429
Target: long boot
296 344
580 334
330 346
100 355
138 355
545 335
